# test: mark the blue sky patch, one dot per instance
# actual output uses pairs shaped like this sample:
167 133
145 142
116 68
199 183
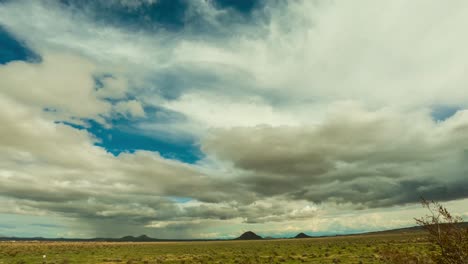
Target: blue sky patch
441 113
243 6
168 14
12 49
124 136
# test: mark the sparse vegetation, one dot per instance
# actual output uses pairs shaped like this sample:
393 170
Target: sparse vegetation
365 249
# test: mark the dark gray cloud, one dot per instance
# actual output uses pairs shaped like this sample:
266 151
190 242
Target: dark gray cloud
374 158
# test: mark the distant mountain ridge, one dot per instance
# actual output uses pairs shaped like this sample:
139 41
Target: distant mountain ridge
249 235
142 238
137 239
408 229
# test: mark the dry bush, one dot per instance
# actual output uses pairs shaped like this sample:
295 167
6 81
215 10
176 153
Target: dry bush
446 233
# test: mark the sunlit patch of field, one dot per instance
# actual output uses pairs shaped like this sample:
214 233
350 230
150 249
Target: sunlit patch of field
349 249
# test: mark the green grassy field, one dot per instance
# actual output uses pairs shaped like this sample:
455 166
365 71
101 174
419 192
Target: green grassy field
349 249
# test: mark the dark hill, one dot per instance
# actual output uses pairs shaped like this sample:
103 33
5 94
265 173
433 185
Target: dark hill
144 237
249 235
137 239
302 235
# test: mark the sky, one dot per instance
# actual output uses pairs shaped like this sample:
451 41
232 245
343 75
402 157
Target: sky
208 118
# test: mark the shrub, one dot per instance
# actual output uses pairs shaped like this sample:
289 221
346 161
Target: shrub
446 233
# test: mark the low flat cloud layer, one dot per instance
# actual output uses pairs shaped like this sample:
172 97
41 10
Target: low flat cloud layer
296 116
